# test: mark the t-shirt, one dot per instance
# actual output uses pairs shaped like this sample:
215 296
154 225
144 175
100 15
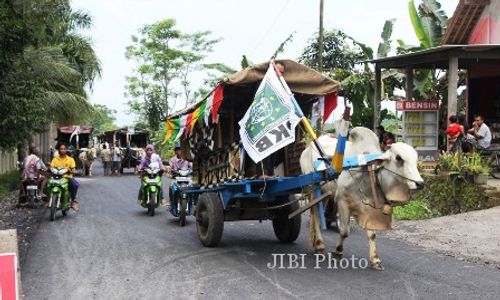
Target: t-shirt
32 164
179 163
454 129
67 162
116 155
106 155
485 132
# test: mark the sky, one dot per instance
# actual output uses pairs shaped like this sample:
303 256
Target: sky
254 28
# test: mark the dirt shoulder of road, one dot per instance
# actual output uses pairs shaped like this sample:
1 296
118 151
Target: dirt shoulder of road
473 236
24 219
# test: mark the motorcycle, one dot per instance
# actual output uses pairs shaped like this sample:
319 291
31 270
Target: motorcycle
182 202
31 190
30 186
151 185
58 192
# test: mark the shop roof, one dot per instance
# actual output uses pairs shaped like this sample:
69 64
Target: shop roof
438 57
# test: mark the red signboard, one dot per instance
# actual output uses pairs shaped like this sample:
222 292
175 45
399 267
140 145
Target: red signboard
417 105
8 283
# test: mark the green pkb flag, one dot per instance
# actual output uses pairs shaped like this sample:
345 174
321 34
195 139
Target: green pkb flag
269 123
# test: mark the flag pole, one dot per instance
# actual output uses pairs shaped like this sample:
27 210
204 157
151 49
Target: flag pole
298 110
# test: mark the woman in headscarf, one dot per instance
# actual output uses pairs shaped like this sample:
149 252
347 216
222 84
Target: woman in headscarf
148 159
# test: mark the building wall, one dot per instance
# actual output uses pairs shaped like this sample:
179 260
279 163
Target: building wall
8 160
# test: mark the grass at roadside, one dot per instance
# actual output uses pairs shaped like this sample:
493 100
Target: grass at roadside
9 182
414 210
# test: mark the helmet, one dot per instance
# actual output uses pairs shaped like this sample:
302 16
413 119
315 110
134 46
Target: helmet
177 146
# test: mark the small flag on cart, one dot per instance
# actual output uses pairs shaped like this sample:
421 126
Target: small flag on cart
269 124
324 107
338 157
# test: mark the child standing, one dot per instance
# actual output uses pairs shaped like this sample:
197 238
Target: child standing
454 132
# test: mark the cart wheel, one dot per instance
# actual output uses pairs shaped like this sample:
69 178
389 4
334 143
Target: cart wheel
287 231
209 219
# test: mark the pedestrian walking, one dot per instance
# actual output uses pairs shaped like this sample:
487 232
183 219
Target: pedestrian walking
106 159
116 158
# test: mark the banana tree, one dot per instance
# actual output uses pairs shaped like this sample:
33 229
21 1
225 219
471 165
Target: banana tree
429 22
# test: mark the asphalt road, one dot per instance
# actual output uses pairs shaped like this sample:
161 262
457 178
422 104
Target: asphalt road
111 249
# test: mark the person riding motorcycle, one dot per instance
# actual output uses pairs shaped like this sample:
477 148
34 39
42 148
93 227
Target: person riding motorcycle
32 166
63 160
149 158
177 162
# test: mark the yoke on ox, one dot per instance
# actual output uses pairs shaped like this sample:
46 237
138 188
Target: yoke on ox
367 187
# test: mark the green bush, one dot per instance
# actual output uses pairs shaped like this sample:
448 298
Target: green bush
414 210
443 196
9 182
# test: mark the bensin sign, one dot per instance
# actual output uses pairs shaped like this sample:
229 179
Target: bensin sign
417 105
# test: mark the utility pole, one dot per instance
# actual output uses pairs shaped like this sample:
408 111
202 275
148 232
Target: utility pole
320 40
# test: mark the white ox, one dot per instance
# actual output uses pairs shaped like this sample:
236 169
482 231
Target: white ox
87 157
395 174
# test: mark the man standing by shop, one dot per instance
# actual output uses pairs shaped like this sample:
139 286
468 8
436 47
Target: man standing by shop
479 135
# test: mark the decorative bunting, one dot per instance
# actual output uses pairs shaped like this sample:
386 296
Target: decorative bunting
216 102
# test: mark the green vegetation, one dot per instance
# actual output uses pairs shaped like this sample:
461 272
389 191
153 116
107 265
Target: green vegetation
9 182
462 165
414 210
164 55
45 66
101 118
444 195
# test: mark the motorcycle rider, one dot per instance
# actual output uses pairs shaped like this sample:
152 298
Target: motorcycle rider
63 160
149 158
177 162
32 166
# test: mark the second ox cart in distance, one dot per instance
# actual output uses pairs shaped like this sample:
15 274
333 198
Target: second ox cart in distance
229 184
78 138
131 141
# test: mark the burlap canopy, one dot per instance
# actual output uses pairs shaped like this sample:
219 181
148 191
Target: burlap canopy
300 78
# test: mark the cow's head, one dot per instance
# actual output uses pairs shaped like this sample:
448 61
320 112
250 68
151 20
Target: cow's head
400 173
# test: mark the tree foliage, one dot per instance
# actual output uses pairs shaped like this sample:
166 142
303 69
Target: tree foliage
101 118
44 67
165 57
343 60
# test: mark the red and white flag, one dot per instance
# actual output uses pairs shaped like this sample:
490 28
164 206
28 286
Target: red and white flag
324 107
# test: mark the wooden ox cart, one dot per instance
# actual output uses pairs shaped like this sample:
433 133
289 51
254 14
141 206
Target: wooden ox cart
77 138
230 186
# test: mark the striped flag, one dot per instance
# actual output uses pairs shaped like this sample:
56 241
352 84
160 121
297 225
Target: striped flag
201 117
324 107
182 126
171 129
213 104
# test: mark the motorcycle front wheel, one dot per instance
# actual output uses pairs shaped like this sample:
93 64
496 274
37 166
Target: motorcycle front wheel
152 204
182 212
53 206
